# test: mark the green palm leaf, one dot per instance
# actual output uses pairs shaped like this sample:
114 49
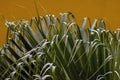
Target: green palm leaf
51 48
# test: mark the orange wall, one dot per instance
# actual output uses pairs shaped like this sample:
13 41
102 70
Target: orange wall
24 9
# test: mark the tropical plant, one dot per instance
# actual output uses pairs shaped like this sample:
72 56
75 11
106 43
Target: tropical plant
51 48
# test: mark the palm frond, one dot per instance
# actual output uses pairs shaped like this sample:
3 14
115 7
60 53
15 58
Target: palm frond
51 48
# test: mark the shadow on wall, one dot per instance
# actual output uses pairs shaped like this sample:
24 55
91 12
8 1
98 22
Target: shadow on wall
14 10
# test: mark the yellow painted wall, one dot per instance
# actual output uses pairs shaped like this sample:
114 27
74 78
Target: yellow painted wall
24 9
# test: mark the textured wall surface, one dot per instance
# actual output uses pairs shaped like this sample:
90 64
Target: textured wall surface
14 10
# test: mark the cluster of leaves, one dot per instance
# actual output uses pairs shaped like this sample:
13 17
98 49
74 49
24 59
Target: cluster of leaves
50 48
